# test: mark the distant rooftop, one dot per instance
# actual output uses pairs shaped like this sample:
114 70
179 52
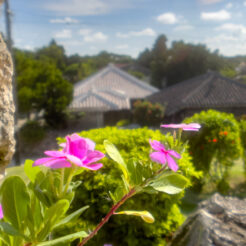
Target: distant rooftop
109 89
210 90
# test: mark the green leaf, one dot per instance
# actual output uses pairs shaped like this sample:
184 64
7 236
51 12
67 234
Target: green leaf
64 240
145 215
115 155
73 216
15 200
52 216
9 229
30 171
135 172
170 183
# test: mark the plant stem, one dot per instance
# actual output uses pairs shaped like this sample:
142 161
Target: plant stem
69 179
106 218
61 181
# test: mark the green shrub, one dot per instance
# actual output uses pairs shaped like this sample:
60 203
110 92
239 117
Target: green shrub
216 146
32 132
126 230
147 114
123 122
243 141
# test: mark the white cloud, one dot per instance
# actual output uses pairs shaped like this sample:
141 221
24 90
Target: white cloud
232 45
84 7
244 3
122 47
216 16
210 1
84 32
65 20
95 37
229 5
65 33
183 28
237 29
167 18
144 32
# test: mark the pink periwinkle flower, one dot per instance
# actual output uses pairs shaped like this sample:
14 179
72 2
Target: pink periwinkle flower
1 212
162 155
77 151
185 127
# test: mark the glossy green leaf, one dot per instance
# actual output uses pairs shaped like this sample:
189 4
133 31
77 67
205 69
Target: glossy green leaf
52 216
15 200
64 240
116 156
145 215
31 171
170 183
71 217
135 172
9 229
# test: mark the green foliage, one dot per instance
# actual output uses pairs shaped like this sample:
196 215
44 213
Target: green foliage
32 132
34 209
147 113
136 74
123 122
228 72
133 146
41 86
243 141
217 145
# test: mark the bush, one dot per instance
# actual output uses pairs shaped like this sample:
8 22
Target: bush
123 122
32 132
128 230
147 114
243 141
216 146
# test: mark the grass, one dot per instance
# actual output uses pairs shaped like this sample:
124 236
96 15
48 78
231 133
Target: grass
237 182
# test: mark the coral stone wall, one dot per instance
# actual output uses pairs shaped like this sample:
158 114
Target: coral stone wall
7 108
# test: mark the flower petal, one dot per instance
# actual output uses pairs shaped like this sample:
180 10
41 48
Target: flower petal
172 126
158 157
58 163
156 145
75 160
93 156
174 153
52 162
42 161
54 153
94 167
1 212
90 144
171 163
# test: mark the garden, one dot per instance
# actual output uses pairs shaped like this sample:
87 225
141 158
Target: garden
119 186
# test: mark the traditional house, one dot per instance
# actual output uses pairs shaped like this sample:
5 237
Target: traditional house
106 93
207 91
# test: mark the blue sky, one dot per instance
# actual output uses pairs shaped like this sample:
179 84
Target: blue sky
128 26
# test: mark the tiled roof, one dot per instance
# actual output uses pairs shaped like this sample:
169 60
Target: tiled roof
209 90
109 89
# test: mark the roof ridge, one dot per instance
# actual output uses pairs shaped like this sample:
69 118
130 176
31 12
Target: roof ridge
211 75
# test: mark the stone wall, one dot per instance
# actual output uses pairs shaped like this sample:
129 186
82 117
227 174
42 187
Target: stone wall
7 108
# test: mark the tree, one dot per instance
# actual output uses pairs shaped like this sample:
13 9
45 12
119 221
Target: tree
41 86
159 62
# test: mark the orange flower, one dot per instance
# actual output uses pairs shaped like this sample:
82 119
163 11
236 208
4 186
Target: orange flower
215 140
225 133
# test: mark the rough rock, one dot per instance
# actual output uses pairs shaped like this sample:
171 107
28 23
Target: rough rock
7 108
219 221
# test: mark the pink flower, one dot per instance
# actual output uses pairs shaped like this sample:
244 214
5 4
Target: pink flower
1 212
162 155
185 127
77 151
